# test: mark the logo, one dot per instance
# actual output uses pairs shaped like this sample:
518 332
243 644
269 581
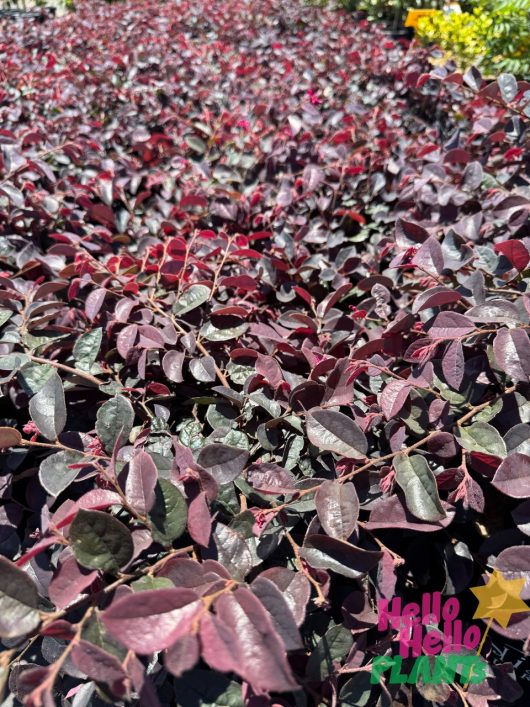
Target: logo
432 634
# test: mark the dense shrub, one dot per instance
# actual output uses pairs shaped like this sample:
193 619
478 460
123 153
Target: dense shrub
494 34
264 353
393 12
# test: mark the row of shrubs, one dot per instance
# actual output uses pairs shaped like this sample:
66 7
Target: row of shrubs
494 34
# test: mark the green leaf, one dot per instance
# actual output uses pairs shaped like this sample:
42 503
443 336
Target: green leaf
33 376
204 688
332 647
5 315
114 417
48 408
292 451
37 343
233 551
12 363
415 414
196 143
94 631
238 374
212 333
86 348
356 691
490 412
18 601
419 486
148 582
235 438
169 514
100 541
191 299
54 472
190 434
273 407
482 437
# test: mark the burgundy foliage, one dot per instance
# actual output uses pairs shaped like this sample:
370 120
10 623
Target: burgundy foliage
264 353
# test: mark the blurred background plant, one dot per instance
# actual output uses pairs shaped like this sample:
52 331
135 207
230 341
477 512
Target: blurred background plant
50 7
493 34
392 12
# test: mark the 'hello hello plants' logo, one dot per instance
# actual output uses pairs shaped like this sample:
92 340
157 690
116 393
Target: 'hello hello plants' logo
435 637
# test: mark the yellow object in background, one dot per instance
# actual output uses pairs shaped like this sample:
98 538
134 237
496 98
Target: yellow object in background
414 15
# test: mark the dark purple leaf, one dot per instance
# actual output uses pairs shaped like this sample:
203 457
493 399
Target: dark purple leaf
203 369
453 364
200 520
99 665
271 478
393 396
152 620
450 325
257 649
513 476
281 615
182 655
512 353
126 340
232 551
224 463
9 437
435 297
472 177
409 233
323 552
172 365
496 311
94 302
429 257
69 580
392 513
295 588
337 507
335 432
514 563
313 177
140 482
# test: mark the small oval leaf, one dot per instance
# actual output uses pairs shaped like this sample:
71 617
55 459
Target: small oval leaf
335 432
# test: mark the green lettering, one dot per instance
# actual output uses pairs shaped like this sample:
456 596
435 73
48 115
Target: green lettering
421 669
448 670
396 677
477 671
379 664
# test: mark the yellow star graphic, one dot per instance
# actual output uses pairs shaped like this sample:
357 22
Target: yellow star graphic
499 599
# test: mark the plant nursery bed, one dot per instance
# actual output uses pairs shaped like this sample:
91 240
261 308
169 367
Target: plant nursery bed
264 363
